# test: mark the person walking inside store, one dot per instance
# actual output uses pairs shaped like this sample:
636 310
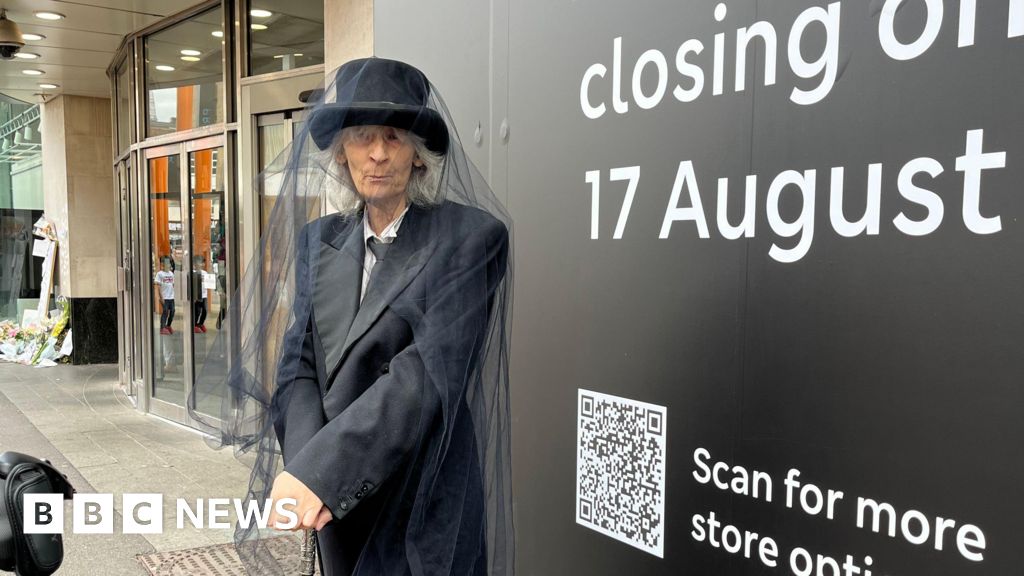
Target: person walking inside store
165 280
199 308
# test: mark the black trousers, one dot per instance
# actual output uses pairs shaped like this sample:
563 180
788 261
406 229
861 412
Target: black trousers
200 312
167 316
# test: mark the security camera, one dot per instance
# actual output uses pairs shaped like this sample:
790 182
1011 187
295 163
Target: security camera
10 37
7 51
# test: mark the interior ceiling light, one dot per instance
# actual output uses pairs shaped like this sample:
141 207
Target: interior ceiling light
49 86
261 13
164 68
26 55
258 26
190 52
32 72
217 33
32 37
190 58
49 15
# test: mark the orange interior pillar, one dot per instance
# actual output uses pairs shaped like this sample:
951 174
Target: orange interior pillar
158 169
185 103
201 207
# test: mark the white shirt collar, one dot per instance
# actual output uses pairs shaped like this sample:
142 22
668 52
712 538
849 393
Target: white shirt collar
390 231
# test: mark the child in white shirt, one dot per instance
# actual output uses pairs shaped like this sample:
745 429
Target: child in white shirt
165 279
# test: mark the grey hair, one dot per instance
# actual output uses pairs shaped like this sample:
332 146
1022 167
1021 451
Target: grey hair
423 188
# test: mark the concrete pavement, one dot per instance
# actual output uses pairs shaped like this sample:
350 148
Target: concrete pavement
79 419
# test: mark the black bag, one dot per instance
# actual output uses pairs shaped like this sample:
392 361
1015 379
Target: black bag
28 554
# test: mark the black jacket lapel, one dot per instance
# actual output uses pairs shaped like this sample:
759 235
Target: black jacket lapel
405 258
338 282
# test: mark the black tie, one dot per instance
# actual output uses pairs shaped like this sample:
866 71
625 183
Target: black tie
378 248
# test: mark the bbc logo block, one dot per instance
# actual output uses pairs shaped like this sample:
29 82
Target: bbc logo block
93 514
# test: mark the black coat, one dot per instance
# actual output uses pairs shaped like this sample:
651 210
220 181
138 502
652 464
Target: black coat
360 416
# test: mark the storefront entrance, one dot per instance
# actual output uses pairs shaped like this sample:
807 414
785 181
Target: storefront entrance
189 263
203 101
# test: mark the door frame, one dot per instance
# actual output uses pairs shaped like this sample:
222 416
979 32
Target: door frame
125 271
165 409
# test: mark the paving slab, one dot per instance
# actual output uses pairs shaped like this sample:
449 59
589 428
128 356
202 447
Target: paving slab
80 419
83 554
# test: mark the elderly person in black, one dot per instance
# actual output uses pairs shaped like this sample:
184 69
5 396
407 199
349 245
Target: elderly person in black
380 410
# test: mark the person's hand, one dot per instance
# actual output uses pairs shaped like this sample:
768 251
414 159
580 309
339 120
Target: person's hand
308 507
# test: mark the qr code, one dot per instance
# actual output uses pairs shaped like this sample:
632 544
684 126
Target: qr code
620 469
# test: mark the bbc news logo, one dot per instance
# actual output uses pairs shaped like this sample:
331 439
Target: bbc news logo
144 513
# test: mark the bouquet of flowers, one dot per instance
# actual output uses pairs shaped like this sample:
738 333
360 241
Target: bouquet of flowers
40 343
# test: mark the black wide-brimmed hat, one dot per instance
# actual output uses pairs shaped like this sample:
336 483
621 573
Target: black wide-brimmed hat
380 92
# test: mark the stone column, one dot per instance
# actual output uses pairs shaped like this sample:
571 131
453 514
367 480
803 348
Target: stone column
79 197
348 31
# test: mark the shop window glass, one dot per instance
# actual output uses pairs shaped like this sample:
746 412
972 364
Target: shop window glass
185 75
272 140
168 261
285 35
21 205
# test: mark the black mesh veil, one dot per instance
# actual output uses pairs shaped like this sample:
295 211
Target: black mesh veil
401 396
